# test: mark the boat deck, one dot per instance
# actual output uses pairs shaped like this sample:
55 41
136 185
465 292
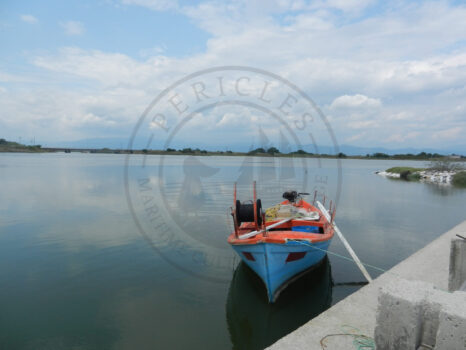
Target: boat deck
283 233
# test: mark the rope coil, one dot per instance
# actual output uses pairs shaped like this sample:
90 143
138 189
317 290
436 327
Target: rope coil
245 212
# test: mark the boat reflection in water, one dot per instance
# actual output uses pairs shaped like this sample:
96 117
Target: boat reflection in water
253 323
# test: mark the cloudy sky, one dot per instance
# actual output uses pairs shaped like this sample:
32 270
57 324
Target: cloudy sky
388 73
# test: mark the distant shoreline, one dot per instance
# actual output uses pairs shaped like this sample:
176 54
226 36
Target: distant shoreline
302 154
15 147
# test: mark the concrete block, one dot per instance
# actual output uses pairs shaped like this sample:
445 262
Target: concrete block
457 271
414 315
451 333
399 315
432 304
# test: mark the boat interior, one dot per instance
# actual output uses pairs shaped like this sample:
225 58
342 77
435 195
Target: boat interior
293 218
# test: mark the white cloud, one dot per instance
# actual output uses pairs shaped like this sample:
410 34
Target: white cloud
109 69
12 78
402 137
356 137
29 19
450 133
54 114
400 116
361 124
73 27
407 56
229 119
157 5
355 101
237 119
348 6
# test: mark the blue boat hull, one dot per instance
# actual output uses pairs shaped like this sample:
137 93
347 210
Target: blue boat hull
279 264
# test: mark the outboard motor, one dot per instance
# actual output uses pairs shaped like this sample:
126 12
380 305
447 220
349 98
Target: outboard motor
290 196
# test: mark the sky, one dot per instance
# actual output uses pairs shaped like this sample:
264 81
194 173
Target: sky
385 74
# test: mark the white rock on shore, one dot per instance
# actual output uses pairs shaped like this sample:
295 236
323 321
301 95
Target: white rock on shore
441 177
432 176
384 173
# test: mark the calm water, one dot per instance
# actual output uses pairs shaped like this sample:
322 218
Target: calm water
80 270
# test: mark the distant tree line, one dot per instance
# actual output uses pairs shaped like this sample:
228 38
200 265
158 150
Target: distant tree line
271 150
15 146
276 151
421 155
187 150
10 144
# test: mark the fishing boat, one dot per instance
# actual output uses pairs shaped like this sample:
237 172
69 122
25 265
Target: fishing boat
284 242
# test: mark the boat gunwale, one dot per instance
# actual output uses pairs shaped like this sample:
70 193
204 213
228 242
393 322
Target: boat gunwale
283 236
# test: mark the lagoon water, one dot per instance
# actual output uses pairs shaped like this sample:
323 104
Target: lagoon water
91 259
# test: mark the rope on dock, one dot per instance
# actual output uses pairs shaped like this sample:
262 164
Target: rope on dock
360 341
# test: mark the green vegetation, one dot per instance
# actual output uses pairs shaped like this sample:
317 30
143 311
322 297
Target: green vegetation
413 177
438 165
257 150
422 155
406 173
419 156
441 164
379 155
273 150
9 146
459 179
260 150
300 152
409 175
402 169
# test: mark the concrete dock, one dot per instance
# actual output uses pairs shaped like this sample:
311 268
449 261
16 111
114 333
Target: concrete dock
354 318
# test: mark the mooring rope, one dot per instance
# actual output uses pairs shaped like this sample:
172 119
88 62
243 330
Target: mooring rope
335 254
307 244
